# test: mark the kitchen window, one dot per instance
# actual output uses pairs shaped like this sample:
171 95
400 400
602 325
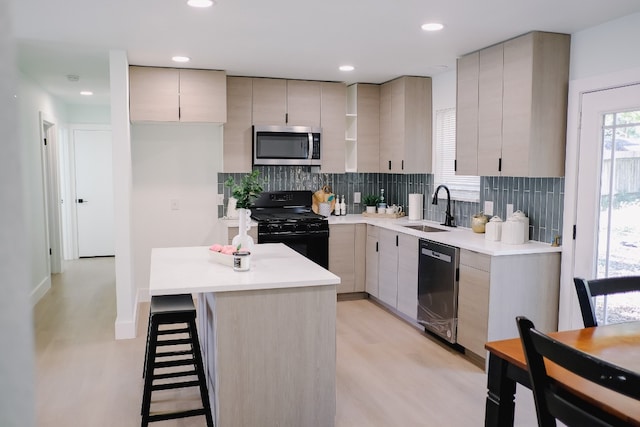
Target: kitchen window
462 187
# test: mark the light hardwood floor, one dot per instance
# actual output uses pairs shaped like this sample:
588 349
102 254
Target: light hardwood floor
388 373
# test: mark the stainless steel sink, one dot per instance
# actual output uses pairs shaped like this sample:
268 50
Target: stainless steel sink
424 228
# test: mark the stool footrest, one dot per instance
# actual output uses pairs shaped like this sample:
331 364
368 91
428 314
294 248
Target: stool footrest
179 341
170 363
175 374
169 386
173 353
174 415
173 331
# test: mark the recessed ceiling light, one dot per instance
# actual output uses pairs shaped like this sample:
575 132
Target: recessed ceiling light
86 93
181 59
347 68
201 3
432 26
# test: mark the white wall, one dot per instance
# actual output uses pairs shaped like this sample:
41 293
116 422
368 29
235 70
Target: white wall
602 57
17 399
33 100
443 88
89 114
173 162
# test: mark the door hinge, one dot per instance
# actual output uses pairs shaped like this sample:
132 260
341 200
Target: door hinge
500 164
574 232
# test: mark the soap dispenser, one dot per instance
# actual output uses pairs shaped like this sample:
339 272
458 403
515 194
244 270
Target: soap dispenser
343 207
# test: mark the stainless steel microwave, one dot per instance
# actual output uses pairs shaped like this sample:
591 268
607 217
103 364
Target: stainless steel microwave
287 145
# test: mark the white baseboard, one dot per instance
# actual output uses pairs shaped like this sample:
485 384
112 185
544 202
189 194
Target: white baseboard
126 330
40 290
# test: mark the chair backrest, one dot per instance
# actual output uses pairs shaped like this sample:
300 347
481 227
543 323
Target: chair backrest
550 403
587 289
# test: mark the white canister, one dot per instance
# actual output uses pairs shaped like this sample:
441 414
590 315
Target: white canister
415 206
520 216
513 231
242 260
493 229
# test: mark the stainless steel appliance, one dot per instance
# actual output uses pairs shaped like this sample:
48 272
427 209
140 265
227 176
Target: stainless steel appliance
287 145
286 217
438 288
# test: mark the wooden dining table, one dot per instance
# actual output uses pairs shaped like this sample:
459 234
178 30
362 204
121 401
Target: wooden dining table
617 343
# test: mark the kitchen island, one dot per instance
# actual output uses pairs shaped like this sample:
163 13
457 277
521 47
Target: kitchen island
267 334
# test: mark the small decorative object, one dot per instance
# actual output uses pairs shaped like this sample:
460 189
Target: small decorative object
493 229
249 188
381 203
324 195
371 202
242 260
478 222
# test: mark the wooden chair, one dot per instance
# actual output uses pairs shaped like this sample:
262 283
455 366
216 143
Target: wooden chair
587 289
551 402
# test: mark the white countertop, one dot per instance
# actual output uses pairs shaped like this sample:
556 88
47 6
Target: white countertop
460 237
273 266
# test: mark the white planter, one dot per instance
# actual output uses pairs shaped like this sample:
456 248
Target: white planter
371 209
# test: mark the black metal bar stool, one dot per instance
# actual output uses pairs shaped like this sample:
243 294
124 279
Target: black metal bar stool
173 310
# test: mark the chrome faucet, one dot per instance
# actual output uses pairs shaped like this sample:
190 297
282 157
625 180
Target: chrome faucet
448 218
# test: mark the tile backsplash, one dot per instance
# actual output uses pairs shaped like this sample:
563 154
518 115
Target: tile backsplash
541 199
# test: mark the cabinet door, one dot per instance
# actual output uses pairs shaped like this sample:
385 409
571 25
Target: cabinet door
371 262
153 94
332 113
203 96
385 129
396 143
368 127
360 253
303 103
467 115
473 301
388 267
408 275
269 101
490 110
342 255
237 131
416 125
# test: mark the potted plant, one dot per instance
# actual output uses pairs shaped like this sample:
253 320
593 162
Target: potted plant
371 201
249 188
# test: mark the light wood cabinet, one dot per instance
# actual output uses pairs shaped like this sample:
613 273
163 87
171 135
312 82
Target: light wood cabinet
177 95
408 255
346 256
371 267
286 102
332 113
494 290
405 125
363 129
237 137
388 267
518 125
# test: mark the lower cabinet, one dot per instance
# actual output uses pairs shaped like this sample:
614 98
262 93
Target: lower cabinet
347 256
371 261
398 271
494 290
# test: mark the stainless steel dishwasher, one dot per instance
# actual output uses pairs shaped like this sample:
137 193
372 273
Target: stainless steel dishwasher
438 288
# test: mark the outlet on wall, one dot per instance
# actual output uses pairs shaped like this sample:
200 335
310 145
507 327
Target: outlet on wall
488 207
509 210
356 197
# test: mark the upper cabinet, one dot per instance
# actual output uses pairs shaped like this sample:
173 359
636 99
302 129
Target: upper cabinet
286 102
237 131
332 113
177 95
362 137
511 107
405 125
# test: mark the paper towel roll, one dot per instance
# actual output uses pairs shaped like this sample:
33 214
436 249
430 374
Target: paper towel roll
415 206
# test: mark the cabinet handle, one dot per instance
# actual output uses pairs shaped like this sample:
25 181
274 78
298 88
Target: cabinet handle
179 113
286 117
396 240
376 246
455 165
402 165
500 164
389 164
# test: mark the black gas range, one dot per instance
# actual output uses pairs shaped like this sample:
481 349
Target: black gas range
287 217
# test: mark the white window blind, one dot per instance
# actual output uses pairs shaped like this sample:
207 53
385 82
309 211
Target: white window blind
462 187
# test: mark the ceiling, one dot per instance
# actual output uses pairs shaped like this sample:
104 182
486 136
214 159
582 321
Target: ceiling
294 39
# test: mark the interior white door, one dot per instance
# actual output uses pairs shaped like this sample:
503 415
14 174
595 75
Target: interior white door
94 192
608 201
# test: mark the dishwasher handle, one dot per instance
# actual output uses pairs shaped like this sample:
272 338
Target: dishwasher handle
438 255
